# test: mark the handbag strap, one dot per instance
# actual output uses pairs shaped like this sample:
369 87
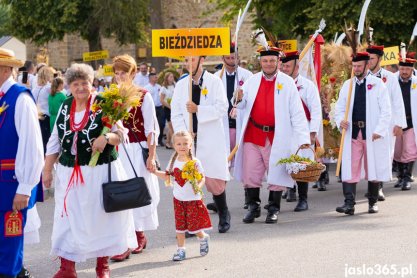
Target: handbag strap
130 161
136 137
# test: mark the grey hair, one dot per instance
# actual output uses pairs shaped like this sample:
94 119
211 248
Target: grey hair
79 71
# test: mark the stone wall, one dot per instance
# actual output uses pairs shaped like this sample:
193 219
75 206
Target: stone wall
175 14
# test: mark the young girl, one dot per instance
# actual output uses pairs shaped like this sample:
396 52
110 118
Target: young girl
191 214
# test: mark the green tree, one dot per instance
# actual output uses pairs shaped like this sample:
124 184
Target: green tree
392 20
4 19
278 17
42 21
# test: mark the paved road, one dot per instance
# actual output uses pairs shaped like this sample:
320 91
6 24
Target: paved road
315 243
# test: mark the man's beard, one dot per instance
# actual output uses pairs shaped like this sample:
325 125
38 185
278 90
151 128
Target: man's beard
360 75
230 65
406 77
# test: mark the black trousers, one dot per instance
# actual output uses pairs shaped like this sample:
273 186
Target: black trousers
160 115
45 130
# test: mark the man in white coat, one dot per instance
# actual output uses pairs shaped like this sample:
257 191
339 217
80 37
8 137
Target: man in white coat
310 100
208 107
367 137
268 98
232 77
405 147
398 121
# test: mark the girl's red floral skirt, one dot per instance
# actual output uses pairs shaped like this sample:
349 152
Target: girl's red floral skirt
191 216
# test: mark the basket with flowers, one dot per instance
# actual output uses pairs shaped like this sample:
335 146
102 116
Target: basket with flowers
115 106
302 169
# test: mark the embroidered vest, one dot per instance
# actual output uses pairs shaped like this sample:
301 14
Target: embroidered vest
135 124
9 138
91 131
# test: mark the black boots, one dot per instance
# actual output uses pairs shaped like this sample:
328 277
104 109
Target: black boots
274 208
223 211
302 196
323 180
246 204
381 196
400 175
349 191
408 173
291 196
254 211
373 189
270 199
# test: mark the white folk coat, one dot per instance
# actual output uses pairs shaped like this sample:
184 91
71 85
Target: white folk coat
290 123
397 104
243 76
378 121
311 97
211 140
413 93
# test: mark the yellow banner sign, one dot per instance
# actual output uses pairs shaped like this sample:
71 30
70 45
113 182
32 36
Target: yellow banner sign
96 55
390 56
288 45
190 42
108 70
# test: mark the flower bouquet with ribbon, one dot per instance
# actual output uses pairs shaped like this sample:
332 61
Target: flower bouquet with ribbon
302 169
115 105
191 173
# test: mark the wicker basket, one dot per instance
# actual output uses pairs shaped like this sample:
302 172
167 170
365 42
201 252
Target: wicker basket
311 173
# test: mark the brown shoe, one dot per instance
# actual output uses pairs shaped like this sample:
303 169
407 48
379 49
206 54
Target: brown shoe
67 269
121 257
102 267
140 236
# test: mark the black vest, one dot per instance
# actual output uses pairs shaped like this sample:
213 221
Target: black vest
406 92
359 110
230 84
85 138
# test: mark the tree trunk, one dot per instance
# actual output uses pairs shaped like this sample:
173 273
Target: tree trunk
94 43
155 9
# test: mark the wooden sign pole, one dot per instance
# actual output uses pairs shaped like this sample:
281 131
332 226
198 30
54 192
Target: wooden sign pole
342 140
190 92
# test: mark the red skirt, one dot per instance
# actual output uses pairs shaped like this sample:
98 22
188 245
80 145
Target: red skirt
191 216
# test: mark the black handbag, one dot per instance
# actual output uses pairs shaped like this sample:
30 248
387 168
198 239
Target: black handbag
128 194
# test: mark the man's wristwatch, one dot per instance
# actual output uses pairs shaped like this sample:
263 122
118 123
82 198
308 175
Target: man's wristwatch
107 137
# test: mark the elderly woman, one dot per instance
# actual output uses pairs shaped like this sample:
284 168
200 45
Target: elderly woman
143 129
82 229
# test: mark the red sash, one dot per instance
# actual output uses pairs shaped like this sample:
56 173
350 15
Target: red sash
307 112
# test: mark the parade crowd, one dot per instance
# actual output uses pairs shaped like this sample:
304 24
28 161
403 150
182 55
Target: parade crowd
50 128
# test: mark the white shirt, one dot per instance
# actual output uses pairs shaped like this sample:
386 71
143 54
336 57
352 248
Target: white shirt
29 158
185 192
168 92
141 80
155 91
41 94
32 80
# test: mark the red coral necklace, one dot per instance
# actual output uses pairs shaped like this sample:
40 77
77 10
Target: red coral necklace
74 126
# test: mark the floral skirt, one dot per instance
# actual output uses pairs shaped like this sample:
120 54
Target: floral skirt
191 216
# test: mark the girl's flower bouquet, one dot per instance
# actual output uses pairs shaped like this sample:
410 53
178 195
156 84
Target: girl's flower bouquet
191 173
116 104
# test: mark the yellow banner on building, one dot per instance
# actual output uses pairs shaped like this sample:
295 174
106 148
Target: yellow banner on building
288 45
108 70
96 55
390 56
190 42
